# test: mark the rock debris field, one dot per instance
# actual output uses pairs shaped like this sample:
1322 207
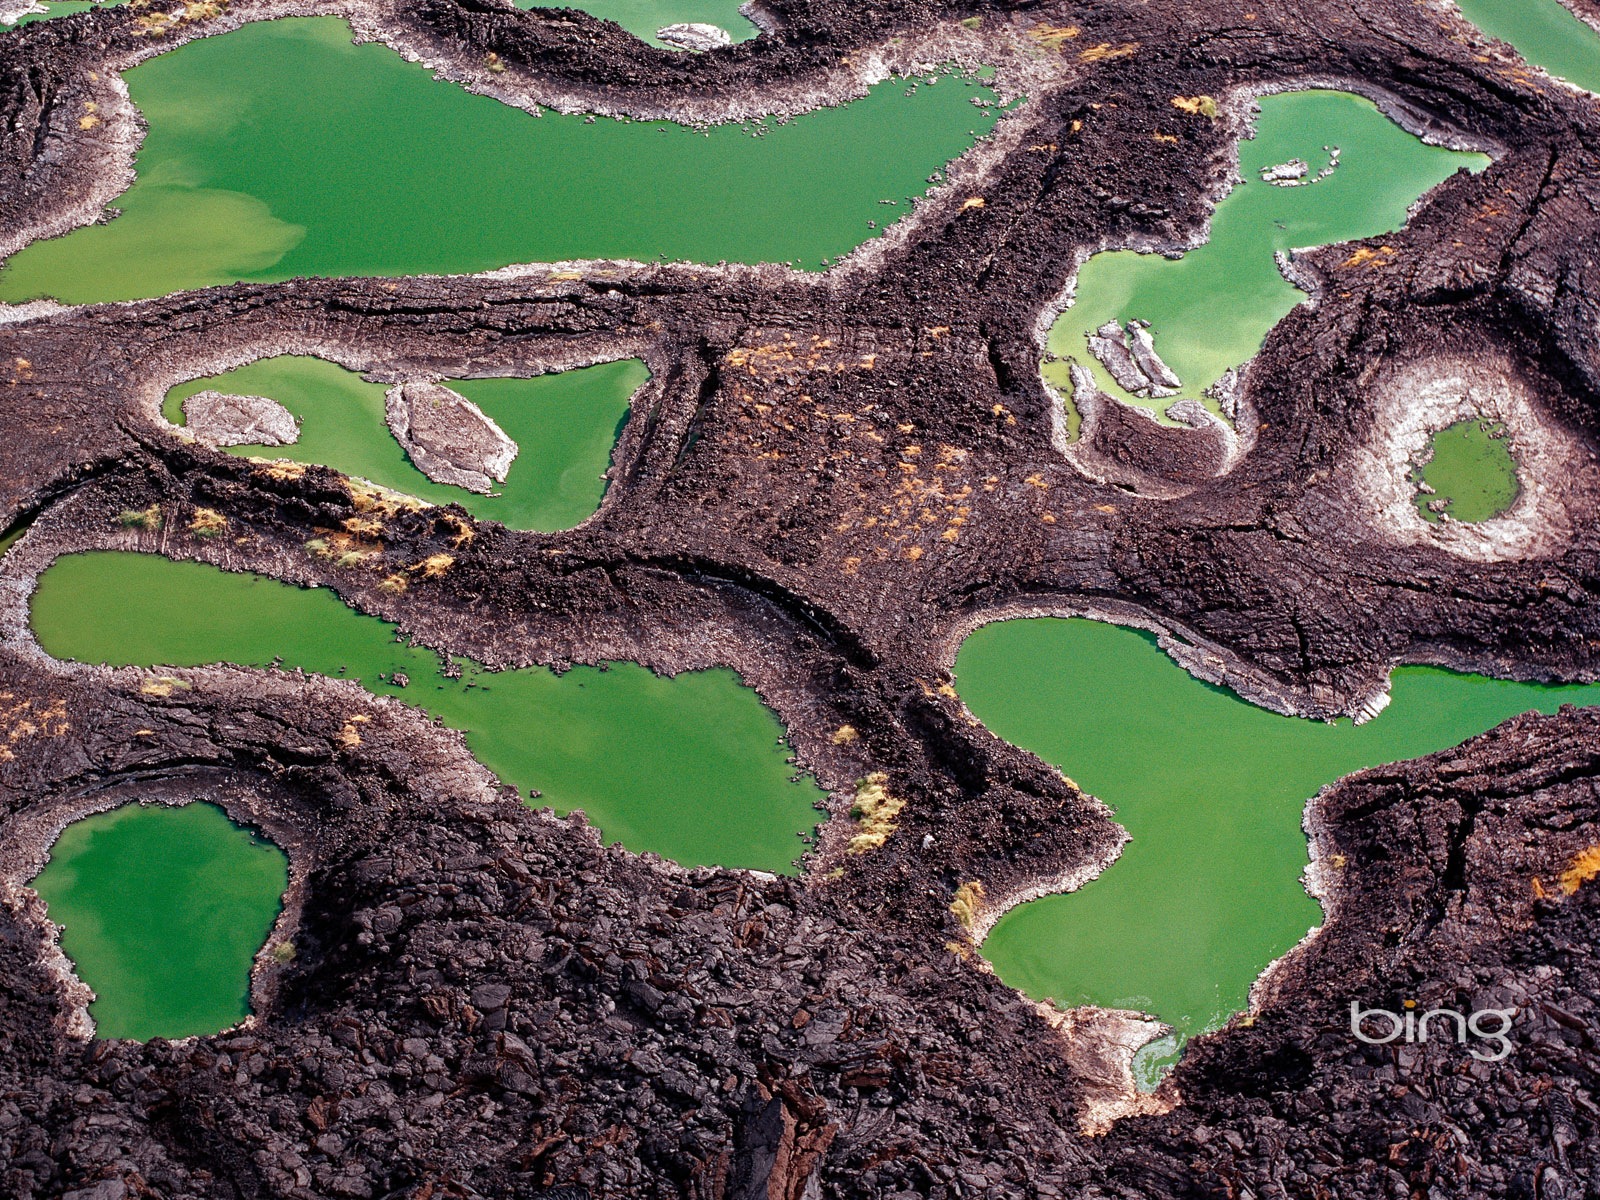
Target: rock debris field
830 478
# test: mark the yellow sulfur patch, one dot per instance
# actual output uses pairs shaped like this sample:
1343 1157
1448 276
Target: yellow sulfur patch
1197 106
1585 865
875 811
1106 51
968 903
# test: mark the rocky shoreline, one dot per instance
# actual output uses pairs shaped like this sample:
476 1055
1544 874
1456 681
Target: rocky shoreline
486 1002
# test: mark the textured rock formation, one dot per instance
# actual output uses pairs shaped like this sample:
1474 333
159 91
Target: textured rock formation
449 438
487 1003
228 420
695 35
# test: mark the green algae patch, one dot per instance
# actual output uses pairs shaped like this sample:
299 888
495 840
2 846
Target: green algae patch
565 426
643 18
1342 170
1468 475
694 768
162 913
1545 33
1212 791
282 150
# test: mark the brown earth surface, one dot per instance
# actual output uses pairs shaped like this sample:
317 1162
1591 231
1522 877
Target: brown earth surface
828 481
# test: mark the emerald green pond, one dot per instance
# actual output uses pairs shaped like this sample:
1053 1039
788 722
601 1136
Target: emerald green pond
163 911
692 768
281 150
1470 471
643 17
1545 33
565 426
1210 310
1211 789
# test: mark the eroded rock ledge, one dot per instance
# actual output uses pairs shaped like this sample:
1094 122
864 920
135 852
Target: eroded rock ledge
488 1004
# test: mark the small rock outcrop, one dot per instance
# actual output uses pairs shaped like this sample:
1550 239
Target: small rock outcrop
1130 357
1143 348
694 35
221 419
1292 171
1297 172
449 438
12 11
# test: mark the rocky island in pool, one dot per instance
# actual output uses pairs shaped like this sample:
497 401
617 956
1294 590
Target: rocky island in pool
685 599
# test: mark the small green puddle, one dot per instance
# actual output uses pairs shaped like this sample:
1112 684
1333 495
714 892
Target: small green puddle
565 426
1469 473
13 535
692 768
1210 310
57 8
1545 33
162 911
1212 790
281 150
643 18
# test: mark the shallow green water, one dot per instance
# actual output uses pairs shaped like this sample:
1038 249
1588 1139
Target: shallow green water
1545 33
1212 790
643 17
163 911
1470 470
1210 310
565 426
282 150
58 8
691 768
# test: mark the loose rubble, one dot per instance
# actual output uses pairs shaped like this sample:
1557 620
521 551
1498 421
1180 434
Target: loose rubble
829 480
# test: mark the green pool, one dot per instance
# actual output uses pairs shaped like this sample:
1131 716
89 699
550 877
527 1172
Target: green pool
1469 471
1210 310
1545 33
693 768
282 150
565 426
1211 789
162 913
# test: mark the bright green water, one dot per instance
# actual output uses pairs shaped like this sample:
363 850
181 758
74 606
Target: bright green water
1471 470
163 911
1544 33
643 17
691 768
13 535
58 8
282 150
1212 790
1211 309
565 426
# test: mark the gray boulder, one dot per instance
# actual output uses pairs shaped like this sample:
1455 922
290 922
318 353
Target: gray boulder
449 438
222 419
694 35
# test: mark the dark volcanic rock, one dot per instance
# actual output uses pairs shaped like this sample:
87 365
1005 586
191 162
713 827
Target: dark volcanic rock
825 484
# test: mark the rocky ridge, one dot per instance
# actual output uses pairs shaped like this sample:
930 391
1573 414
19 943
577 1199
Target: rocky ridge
487 1003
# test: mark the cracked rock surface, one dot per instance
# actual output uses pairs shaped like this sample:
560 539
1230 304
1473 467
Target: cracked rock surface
228 420
449 438
486 1002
